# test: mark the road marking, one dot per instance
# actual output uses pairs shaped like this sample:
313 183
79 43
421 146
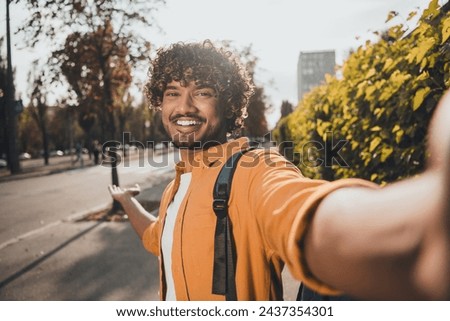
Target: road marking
165 172
35 263
28 234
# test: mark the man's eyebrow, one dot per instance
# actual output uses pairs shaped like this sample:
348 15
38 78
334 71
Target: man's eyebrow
204 87
171 87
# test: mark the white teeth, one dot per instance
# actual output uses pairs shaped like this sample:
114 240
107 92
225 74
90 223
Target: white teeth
187 122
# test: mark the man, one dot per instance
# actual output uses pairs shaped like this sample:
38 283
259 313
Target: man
346 236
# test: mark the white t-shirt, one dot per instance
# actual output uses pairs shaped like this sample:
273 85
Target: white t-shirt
167 234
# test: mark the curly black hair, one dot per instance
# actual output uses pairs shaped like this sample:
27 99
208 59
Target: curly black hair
206 65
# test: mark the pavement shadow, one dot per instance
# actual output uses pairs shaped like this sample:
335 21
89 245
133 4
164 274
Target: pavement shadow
118 269
83 260
105 261
43 258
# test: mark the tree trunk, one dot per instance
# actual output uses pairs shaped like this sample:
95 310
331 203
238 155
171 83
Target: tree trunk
108 106
11 117
45 142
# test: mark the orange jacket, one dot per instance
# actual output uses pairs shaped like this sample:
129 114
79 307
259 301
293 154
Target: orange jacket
271 205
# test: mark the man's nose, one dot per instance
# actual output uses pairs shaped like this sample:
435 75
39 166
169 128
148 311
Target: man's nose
186 104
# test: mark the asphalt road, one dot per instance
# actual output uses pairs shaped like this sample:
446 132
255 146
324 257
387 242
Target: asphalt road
46 254
28 205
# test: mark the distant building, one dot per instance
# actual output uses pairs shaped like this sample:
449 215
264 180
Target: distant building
312 67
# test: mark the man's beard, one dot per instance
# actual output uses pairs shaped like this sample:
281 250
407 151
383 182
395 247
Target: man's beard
191 143
187 145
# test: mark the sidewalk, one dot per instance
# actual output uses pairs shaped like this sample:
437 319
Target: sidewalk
35 167
57 164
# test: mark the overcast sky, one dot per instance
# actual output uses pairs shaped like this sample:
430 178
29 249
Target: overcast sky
277 29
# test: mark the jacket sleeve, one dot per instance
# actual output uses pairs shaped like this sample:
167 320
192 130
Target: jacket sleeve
152 234
150 238
284 202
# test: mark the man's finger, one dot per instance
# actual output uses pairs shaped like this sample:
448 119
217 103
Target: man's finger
133 190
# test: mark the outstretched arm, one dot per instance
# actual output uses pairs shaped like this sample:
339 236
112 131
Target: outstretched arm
394 242
140 219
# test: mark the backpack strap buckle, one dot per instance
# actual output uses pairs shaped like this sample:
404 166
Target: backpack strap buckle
220 204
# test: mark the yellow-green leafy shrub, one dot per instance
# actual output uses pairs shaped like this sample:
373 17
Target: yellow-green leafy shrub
381 105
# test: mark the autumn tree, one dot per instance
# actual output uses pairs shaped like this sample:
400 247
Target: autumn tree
157 131
63 127
285 145
97 67
28 133
38 109
256 122
139 120
109 31
108 39
60 127
255 125
286 108
78 65
55 19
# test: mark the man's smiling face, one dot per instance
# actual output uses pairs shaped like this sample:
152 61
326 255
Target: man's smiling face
191 115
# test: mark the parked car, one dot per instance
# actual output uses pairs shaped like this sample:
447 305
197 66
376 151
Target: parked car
3 163
56 153
24 156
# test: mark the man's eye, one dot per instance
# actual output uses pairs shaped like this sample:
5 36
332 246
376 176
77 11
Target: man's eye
171 94
205 93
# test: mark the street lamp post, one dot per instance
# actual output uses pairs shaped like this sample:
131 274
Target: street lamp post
11 115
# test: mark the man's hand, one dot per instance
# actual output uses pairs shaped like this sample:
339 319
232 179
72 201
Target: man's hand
435 267
140 219
391 243
119 194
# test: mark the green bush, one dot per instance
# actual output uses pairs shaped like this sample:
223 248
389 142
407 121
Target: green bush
380 107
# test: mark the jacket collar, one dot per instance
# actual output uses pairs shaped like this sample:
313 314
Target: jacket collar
208 157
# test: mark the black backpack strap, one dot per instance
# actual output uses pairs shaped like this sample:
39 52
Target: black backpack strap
224 250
